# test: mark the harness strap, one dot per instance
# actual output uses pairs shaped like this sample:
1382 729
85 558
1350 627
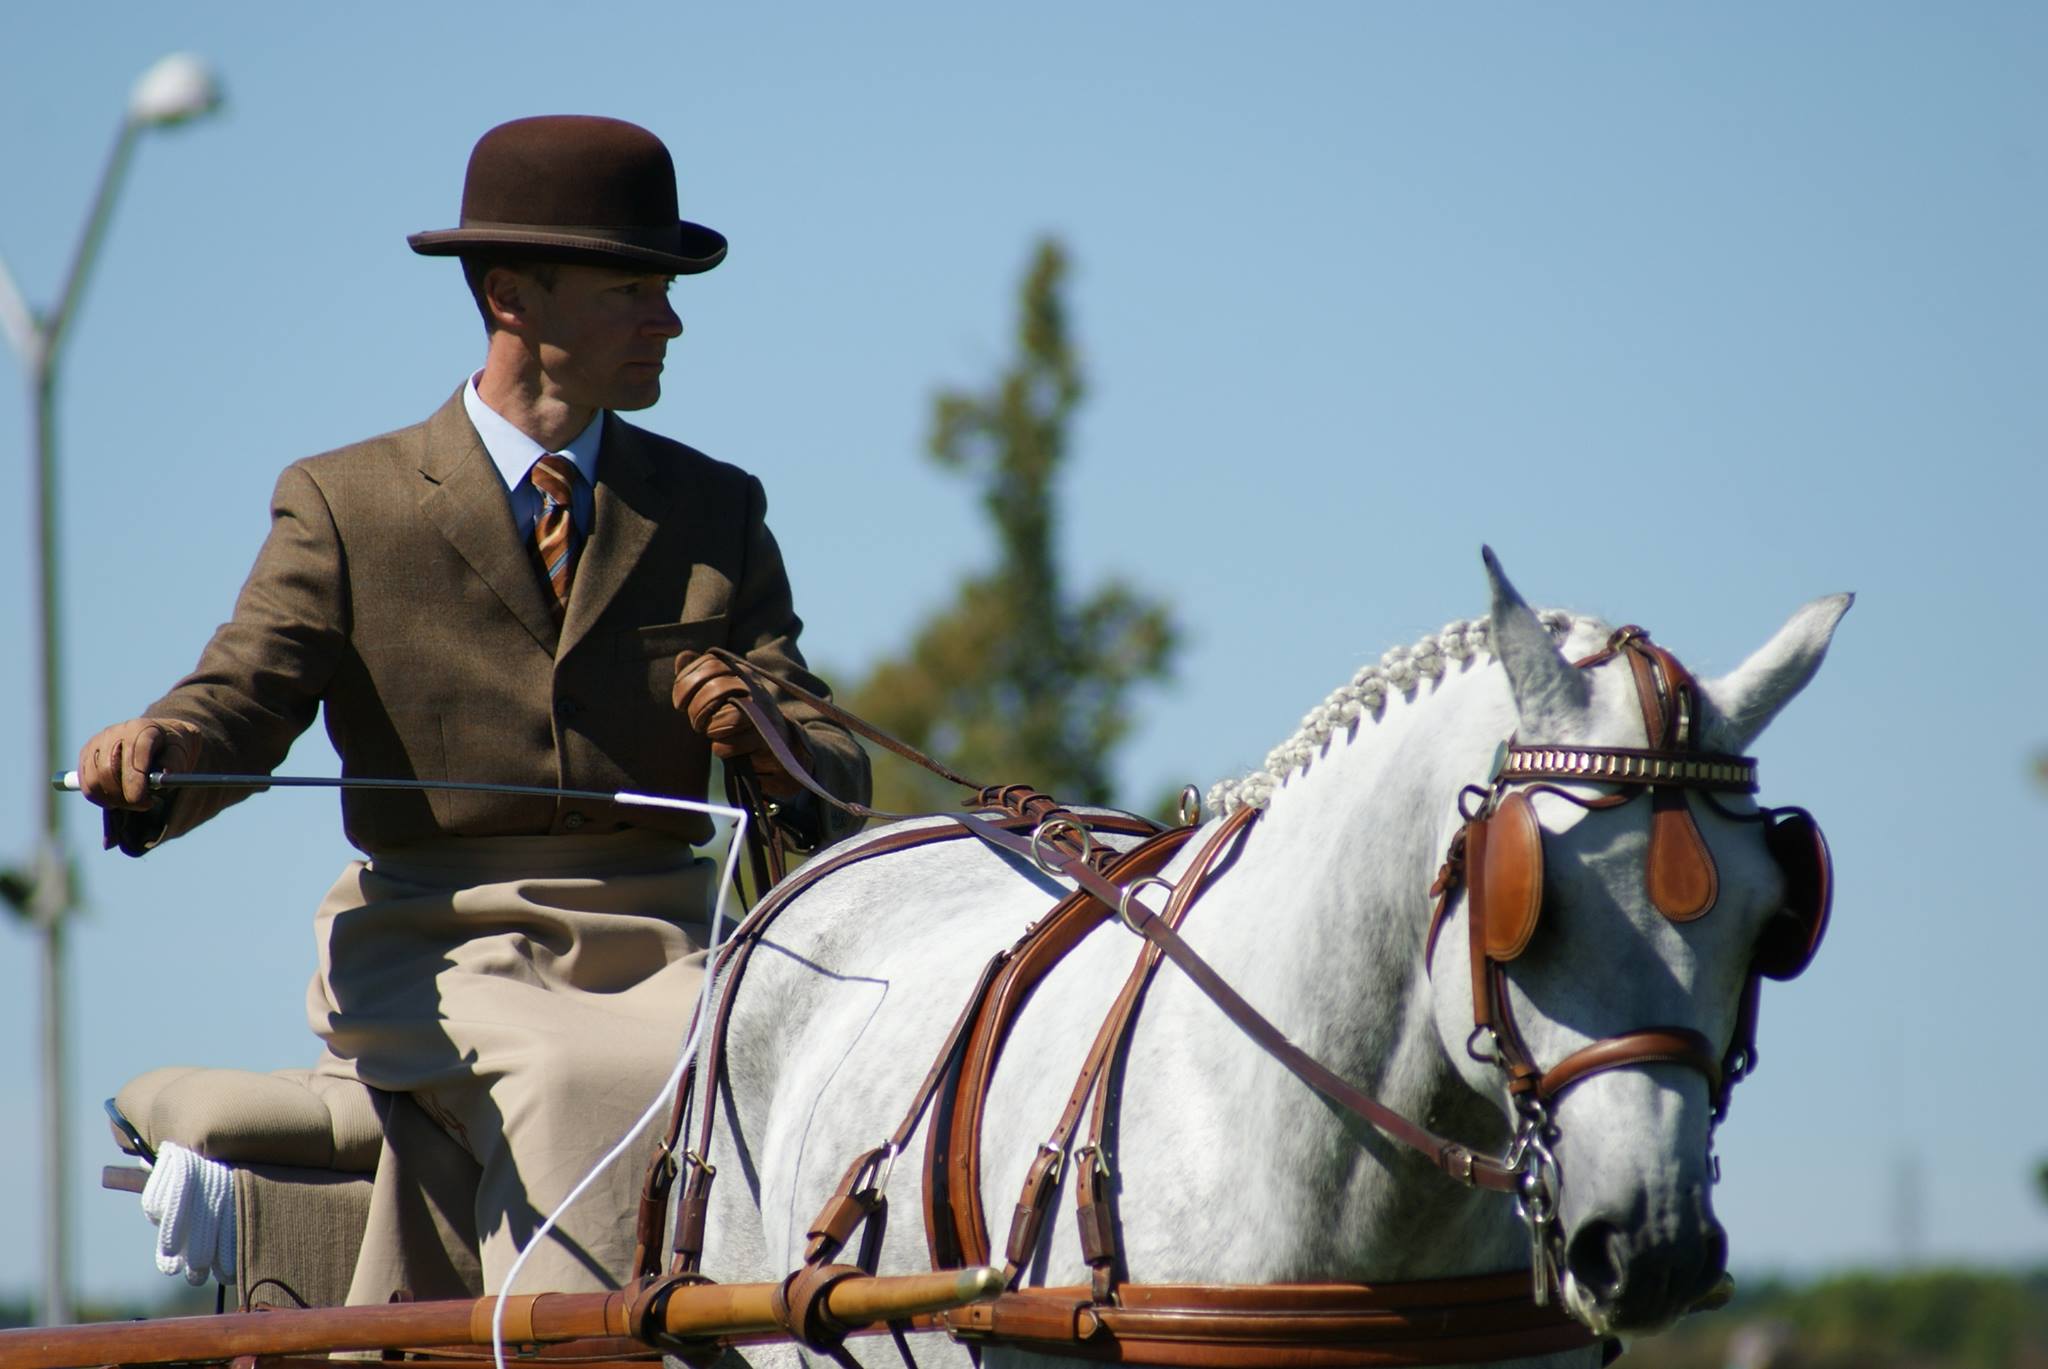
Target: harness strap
852 1204
1300 1326
1454 1159
800 1306
692 1203
956 1226
1645 1046
1042 1179
1094 1192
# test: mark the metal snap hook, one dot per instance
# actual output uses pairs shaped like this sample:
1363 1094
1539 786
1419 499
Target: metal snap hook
1190 806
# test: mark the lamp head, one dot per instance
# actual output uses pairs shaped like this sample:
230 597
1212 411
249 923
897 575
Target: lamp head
177 88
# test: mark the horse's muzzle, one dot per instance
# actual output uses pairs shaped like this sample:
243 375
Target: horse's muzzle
1635 1276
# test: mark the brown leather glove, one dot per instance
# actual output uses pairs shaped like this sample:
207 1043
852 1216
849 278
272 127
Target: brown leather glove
704 693
113 768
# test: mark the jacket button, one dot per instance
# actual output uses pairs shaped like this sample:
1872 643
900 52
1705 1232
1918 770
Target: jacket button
567 708
572 821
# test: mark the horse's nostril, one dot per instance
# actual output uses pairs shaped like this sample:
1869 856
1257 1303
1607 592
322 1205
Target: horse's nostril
1714 1249
1596 1260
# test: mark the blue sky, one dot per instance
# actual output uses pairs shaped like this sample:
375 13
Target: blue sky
1694 313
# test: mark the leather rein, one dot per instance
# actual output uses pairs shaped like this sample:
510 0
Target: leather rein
1271 1324
1060 845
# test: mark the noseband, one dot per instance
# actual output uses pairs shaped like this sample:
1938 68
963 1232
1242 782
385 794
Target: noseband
1497 857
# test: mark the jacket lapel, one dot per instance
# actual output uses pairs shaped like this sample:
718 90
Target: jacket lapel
624 522
465 498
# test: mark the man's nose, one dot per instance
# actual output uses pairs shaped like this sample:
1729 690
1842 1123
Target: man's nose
663 321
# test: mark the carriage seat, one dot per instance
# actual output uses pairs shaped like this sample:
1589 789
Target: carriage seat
289 1117
302 1149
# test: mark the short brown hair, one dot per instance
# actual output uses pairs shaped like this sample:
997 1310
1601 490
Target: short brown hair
476 266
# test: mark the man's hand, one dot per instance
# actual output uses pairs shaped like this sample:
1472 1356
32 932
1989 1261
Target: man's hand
706 688
113 768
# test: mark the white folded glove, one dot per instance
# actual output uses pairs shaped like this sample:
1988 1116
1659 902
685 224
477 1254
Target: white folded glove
192 1201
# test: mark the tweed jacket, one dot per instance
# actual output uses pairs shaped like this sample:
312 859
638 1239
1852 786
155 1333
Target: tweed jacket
394 591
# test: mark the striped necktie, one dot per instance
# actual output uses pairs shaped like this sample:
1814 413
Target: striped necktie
554 531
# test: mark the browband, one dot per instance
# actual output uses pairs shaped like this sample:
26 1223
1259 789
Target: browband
1628 765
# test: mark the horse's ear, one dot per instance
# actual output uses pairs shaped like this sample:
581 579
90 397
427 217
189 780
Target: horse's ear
1743 702
1547 689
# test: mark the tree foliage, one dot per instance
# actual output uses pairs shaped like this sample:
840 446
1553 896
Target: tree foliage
1909 1319
1016 680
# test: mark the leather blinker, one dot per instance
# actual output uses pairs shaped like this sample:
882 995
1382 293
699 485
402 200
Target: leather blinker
1788 942
1508 877
1680 875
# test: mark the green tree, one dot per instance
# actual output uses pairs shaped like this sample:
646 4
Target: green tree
1016 681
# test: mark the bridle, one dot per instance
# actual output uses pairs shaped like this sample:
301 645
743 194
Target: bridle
1497 858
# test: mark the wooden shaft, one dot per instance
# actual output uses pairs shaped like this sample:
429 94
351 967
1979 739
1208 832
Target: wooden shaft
706 1311
862 1302
242 1333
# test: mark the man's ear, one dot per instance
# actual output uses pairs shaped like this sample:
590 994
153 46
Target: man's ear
506 295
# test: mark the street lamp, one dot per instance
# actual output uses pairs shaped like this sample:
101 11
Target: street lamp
176 89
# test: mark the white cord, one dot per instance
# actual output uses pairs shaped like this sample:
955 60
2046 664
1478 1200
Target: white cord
192 1201
738 817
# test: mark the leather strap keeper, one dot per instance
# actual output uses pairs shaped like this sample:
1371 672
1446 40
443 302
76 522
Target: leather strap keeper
849 1206
1039 1182
799 1305
1050 1315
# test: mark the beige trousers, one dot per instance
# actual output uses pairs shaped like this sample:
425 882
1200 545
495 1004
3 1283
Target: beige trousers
523 999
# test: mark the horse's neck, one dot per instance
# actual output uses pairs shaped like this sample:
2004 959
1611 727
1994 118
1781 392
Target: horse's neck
1322 923
1334 885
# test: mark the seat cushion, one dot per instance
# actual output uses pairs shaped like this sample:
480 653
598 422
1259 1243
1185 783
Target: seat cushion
288 1117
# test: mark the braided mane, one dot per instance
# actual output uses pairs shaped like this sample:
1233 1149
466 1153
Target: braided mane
1401 668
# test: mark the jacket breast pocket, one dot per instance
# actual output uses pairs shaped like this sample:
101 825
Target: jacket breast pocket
654 649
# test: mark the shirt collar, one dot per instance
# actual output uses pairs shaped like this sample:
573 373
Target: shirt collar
514 453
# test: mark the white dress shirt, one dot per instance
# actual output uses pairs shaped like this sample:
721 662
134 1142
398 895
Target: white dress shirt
514 453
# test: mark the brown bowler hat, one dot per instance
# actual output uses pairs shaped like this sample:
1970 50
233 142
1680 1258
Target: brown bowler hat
575 187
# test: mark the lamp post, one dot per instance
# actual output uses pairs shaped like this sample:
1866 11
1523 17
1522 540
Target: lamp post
176 89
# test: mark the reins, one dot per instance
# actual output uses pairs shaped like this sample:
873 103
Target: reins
1060 846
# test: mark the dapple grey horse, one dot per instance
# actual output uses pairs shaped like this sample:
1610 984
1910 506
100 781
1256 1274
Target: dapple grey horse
1231 1170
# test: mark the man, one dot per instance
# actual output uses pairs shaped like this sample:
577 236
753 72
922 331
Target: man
518 590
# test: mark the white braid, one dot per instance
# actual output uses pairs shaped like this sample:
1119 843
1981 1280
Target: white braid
1402 669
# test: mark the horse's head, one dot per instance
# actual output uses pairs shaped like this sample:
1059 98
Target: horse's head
1615 928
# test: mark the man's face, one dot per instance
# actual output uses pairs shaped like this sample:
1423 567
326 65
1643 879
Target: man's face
601 334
